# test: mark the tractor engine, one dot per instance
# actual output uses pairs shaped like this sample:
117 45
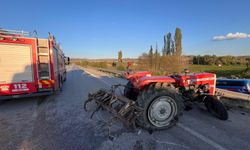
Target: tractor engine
202 83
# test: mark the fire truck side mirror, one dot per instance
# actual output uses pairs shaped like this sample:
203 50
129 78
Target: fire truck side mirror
67 60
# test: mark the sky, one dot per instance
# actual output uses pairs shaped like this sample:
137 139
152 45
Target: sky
100 28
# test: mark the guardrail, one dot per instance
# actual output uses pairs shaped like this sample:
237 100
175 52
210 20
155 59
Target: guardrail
234 99
233 95
115 73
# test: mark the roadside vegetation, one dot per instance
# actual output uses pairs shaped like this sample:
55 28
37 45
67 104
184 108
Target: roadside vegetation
230 71
223 66
86 63
169 60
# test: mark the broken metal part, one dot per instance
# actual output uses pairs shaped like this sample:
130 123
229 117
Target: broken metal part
122 108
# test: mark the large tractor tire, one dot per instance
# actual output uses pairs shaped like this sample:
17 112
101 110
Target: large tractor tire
215 107
162 107
129 91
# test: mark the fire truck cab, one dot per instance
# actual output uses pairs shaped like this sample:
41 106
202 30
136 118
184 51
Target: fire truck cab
29 66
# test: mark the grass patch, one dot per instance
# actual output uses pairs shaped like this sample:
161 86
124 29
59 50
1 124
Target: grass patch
223 71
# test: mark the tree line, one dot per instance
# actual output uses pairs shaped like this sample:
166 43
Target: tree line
219 60
172 47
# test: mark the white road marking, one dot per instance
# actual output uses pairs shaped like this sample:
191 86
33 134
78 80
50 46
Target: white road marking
96 77
201 137
163 141
192 132
90 73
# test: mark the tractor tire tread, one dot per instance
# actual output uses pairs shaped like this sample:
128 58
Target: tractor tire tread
146 97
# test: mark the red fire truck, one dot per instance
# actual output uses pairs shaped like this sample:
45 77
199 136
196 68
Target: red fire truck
29 66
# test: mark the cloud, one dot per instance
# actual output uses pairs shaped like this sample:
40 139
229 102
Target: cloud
231 36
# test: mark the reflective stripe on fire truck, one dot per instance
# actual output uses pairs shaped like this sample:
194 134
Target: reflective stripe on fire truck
46 82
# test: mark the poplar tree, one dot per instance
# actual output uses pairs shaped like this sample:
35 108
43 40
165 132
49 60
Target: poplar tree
151 57
168 46
172 49
164 50
120 56
156 58
178 40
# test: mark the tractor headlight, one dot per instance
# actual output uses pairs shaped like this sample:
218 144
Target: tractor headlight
205 87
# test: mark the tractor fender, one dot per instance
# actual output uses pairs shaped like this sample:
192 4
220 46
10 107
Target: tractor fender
145 81
136 75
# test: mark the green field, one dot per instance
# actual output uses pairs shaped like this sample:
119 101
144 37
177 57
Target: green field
229 71
223 71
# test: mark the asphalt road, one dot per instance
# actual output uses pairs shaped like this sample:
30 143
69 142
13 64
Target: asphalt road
59 122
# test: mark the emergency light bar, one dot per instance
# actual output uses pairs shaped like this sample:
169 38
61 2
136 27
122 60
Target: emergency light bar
10 32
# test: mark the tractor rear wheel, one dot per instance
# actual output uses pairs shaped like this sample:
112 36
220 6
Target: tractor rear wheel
129 91
216 108
162 106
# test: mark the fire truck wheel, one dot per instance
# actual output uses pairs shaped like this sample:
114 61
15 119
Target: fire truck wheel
129 91
65 78
216 108
162 107
60 82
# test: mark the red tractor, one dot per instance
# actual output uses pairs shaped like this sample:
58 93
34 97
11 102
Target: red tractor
164 96
155 102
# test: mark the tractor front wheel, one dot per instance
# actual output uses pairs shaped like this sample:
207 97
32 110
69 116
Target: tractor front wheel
216 108
161 107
